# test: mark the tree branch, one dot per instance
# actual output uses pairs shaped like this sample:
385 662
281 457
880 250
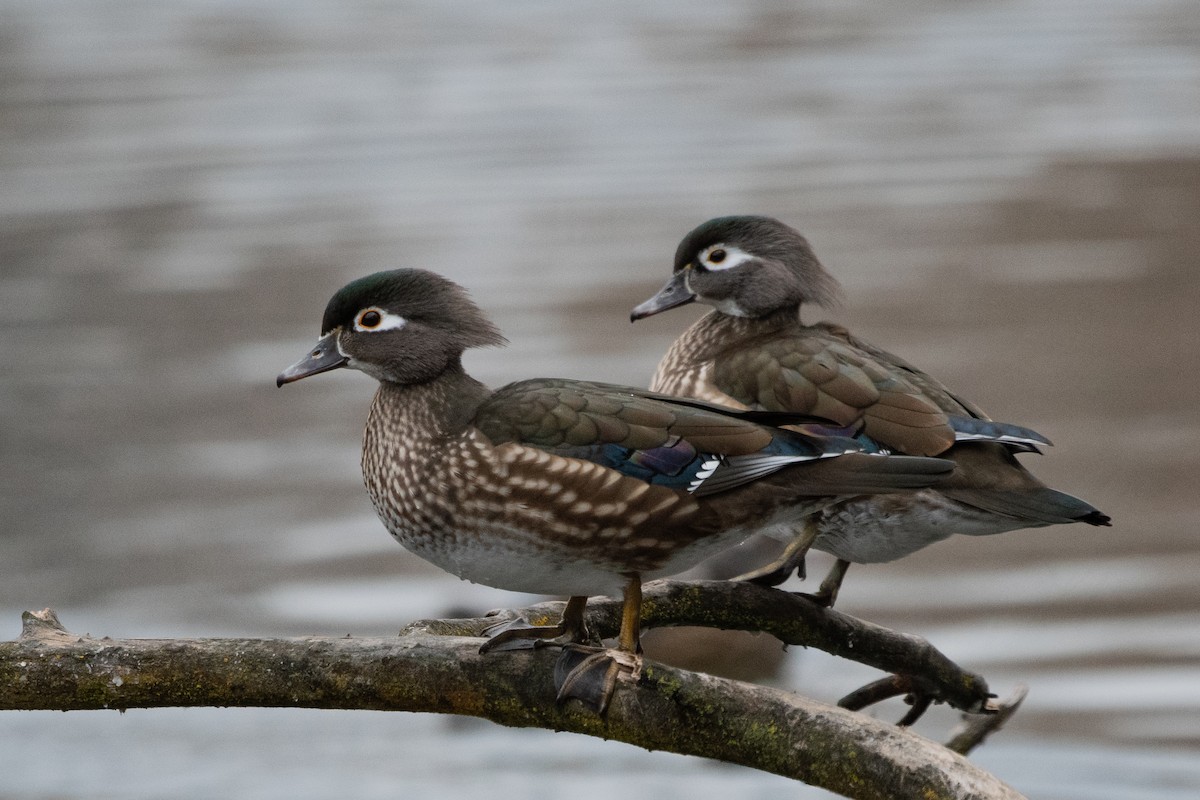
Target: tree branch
429 668
791 618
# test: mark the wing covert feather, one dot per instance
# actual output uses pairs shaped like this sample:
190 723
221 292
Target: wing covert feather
818 373
632 434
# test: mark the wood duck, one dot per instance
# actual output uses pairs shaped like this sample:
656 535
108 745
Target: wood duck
753 352
564 487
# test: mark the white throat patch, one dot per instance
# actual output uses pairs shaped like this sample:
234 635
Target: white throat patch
727 306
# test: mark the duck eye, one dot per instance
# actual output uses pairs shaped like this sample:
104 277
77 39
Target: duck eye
375 319
722 257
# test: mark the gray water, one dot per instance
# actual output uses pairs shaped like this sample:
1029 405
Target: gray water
1009 192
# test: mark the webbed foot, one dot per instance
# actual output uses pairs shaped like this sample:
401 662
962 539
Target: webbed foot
918 693
590 674
520 634
774 573
789 561
827 594
585 672
822 599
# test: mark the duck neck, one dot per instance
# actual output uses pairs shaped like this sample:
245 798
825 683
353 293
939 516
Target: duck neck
407 414
713 333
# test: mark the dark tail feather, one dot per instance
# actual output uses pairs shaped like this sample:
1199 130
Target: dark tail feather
1096 518
1036 506
861 473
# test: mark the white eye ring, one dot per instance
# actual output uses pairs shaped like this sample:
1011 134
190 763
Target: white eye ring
387 320
722 256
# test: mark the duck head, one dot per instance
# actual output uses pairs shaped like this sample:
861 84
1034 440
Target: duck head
744 266
402 326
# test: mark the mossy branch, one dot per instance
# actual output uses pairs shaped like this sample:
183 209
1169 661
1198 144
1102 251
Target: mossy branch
791 618
431 668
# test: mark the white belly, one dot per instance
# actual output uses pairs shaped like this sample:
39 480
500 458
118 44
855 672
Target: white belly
887 527
507 558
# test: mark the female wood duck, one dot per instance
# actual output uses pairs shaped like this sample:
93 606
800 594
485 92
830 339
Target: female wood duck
753 352
559 486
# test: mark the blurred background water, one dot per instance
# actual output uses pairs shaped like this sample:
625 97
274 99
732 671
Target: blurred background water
1009 191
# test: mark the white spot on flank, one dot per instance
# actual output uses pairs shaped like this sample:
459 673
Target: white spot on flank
705 472
663 504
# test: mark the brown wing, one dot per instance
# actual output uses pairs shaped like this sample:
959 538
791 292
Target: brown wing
550 413
931 387
816 371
